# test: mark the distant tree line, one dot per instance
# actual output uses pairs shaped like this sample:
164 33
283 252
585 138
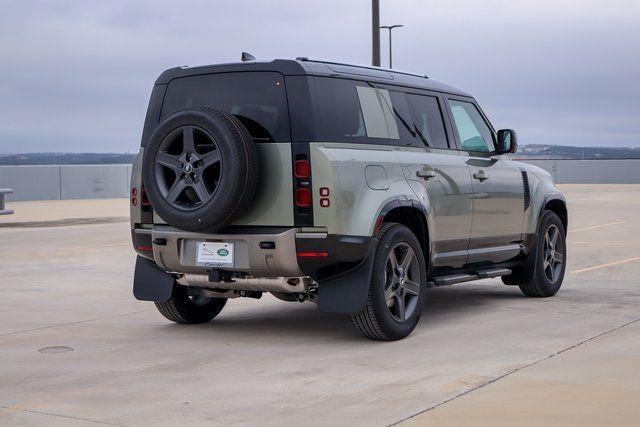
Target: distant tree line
525 151
539 151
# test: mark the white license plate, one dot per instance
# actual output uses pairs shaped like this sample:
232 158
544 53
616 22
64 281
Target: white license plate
215 254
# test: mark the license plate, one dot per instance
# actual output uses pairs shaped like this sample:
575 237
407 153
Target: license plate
215 254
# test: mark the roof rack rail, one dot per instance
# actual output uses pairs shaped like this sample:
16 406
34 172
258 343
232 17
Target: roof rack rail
390 70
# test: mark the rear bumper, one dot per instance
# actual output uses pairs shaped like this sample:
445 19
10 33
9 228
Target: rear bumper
259 251
264 252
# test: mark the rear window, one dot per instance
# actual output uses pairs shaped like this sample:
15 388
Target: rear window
257 99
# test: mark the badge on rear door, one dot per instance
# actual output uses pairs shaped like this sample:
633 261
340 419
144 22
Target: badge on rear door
215 254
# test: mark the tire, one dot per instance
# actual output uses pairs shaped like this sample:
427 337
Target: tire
379 320
181 308
183 189
284 296
536 279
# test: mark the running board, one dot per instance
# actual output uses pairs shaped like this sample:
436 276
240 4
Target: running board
461 278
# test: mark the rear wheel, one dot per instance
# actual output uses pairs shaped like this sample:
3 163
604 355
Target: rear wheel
543 274
396 291
189 309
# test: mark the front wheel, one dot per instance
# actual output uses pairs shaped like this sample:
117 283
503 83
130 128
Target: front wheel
396 291
189 309
544 272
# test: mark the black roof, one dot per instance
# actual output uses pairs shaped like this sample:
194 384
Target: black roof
303 66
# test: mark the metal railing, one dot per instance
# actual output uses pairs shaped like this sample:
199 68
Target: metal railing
4 211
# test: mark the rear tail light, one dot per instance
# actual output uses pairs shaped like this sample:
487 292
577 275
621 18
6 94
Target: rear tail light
302 169
303 197
134 199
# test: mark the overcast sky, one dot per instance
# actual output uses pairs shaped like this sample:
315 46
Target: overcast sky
76 75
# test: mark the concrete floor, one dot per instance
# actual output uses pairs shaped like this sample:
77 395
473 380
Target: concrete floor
76 348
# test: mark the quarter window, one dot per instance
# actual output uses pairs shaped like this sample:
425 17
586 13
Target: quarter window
353 111
474 133
377 113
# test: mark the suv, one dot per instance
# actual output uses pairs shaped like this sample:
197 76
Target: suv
355 188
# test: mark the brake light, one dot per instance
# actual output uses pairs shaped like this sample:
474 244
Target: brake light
303 197
312 254
134 199
302 169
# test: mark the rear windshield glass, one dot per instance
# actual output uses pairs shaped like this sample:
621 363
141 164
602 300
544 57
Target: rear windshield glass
257 99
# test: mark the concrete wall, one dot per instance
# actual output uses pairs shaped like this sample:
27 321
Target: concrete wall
66 182
108 181
623 171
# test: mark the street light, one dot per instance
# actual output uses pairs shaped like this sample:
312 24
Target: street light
390 27
375 33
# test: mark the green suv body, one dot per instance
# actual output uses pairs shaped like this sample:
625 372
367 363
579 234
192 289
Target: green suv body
352 187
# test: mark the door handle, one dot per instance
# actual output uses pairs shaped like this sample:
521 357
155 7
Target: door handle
426 173
480 176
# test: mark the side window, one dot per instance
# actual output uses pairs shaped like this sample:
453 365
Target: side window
428 124
377 113
404 121
353 111
474 133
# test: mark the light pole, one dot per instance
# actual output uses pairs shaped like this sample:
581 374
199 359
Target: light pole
390 27
375 33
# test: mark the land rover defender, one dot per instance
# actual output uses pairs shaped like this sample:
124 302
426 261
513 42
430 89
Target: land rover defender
355 188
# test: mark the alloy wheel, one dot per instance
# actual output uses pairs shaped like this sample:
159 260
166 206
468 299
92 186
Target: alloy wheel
188 167
402 282
553 254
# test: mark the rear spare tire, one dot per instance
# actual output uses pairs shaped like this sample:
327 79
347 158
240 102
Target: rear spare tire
200 169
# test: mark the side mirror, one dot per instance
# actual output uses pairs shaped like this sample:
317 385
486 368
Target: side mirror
507 141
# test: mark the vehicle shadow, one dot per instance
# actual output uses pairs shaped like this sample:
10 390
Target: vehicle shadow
286 321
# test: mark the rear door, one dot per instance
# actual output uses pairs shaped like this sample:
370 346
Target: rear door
498 192
436 172
258 99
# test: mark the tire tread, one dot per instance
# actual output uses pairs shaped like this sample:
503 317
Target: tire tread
177 311
530 282
366 322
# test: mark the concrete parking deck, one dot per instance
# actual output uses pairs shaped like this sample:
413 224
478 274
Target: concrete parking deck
76 348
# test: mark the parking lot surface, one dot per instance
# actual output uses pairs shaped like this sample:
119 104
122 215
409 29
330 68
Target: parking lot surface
77 348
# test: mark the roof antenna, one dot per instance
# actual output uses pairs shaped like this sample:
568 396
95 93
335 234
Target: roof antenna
246 56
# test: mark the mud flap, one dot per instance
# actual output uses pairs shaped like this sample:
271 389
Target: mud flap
347 293
151 283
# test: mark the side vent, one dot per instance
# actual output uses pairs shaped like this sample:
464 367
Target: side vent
527 192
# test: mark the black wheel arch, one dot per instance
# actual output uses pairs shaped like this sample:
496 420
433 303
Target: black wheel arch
556 203
346 293
413 215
